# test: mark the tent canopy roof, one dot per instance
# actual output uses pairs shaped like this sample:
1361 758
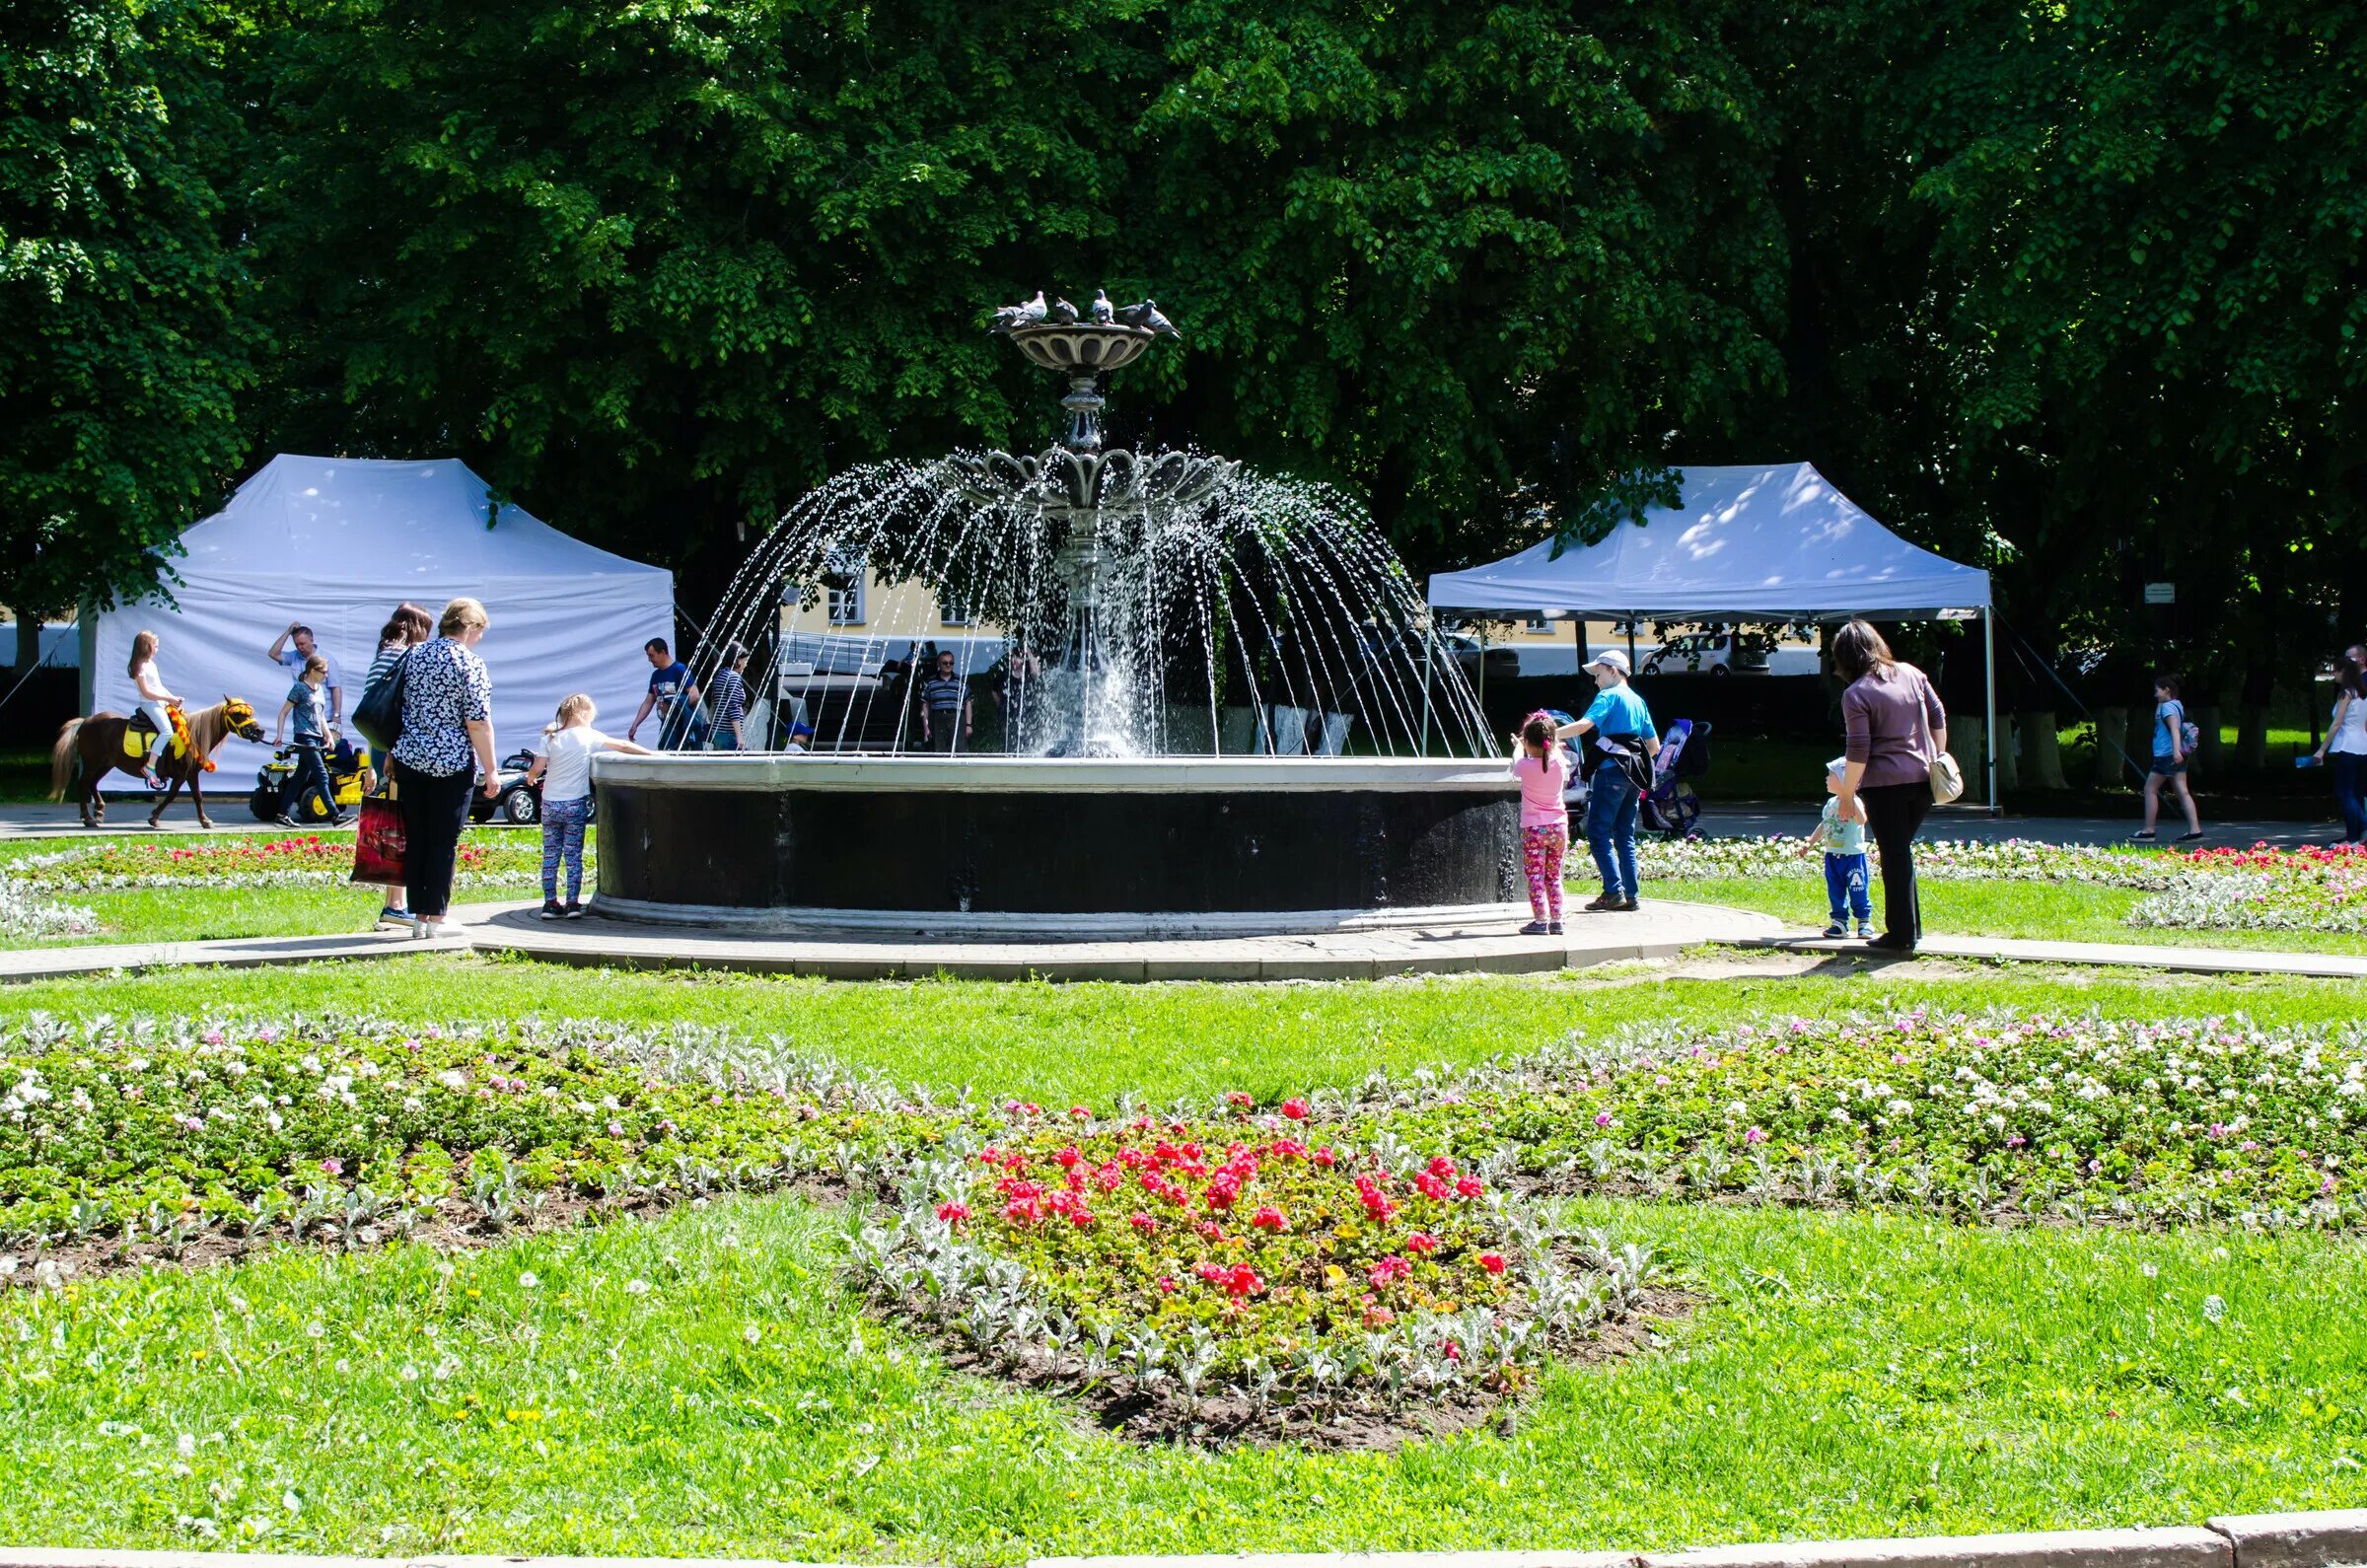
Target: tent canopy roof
389 523
1743 542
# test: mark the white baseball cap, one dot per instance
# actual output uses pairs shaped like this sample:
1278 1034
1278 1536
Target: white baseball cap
1610 659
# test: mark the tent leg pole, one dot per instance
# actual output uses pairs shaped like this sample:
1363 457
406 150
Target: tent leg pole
1429 647
1988 647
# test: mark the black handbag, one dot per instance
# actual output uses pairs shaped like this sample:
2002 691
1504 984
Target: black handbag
379 715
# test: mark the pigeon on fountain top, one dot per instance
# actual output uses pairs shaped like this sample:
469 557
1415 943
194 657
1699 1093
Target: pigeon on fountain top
1102 311
1146 314
1010 316
1063 313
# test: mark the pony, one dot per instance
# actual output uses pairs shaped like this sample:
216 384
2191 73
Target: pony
95 745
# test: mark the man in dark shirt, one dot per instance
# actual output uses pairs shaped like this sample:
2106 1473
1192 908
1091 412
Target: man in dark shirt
944 707
672 694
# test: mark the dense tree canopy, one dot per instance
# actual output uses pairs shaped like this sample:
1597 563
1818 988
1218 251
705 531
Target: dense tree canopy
2075 290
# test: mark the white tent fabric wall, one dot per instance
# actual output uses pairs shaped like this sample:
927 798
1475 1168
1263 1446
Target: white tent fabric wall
1744 542
337 542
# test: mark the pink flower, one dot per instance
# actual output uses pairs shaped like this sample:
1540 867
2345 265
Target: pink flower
1240 1099
1080 1113
333 1165
1142 1222
1602 1118
1755 1135
1421 1243
1325 1158
1295 1109
1167 1283
1244 1280
1493 1262
953 1213
1389 1270
1469 1186
1267 1218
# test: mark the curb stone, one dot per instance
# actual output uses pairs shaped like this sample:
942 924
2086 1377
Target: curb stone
2296 1541
2318 1539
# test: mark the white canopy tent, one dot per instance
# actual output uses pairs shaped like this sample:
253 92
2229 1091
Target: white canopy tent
335 543
1744 542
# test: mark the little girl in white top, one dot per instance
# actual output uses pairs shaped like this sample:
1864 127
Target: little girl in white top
154 700
563 767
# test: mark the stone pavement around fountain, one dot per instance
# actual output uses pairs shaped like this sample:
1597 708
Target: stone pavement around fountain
1662 929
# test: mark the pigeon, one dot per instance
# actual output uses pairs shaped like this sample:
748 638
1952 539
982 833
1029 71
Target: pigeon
1011 317
1063 313
1157 322
1132 315
1102 311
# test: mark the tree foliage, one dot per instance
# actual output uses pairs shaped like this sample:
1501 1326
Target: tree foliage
120 338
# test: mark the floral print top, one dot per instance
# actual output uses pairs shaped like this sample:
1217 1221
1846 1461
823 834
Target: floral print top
445 686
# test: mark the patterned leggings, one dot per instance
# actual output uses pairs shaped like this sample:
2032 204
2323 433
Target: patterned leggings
563 839
1543 850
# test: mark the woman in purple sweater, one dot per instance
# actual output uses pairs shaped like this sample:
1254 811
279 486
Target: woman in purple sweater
1894 724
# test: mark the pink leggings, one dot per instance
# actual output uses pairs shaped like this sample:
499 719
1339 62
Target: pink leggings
1541 851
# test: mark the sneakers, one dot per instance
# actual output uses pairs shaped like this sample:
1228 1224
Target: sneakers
393 916
552 909
1534 928
1628 906
2187 838
575 911
1602 902
1553 928
1865 931
2143 835
1836 929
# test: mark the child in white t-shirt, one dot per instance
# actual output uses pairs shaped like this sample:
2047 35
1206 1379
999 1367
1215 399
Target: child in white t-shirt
563 767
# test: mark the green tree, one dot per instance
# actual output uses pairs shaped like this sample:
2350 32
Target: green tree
121 349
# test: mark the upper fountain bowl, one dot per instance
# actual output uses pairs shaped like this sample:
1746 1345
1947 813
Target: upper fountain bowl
1088 346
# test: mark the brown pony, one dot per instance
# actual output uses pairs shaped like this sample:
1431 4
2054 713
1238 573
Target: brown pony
95 746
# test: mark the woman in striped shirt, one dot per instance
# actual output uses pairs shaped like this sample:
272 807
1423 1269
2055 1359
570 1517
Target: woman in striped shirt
727 701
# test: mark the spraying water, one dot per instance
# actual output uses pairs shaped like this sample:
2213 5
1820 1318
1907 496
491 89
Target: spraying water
1098 603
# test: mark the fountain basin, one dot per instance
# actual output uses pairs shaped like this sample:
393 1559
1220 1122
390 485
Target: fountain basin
1054 847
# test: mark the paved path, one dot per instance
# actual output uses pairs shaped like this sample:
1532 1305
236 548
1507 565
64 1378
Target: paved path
1749 818
127 816
237 953
2109 955
1662 929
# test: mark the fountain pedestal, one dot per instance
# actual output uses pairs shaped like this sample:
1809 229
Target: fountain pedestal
1054 847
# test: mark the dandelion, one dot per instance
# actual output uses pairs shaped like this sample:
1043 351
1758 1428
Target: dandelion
527 1280
751 1333
636 1287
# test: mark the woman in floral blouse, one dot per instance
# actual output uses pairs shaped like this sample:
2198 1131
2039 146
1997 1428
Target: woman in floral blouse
447 745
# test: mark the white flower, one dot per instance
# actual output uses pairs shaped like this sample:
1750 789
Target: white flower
636 1287
751 1333
2213 1307
528 1281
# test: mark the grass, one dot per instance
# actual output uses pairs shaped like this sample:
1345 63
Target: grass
2045 912
1063 1044
1846 1376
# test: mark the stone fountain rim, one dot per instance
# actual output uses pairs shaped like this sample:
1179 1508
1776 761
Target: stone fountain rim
1175 775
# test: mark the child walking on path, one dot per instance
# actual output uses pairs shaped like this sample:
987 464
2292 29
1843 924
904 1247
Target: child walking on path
2173 744
563 766
1849 876
1544 770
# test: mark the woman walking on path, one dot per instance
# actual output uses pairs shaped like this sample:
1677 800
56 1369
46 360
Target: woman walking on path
447 745
1895 726
153 701
2346 750
406 628
1622 728
1544 770
2171 750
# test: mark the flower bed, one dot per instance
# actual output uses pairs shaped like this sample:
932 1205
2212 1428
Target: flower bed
1992 1117
127 1140
2260 888
305 859
1236 1277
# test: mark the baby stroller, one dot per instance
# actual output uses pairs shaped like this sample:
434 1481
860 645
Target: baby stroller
1672 809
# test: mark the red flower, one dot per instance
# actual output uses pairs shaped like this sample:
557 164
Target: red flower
1471 1186
1442 1168
1167 1283
1431 1186
1143 1223
1244 1281
1267 1218
1239 1100
1325 1158
953 1213
1082 1219
1389 1270
1080 1113
1210 1230
1068 1158
1295 1109
1493 1262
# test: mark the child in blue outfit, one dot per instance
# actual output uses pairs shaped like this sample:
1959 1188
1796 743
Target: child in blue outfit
1847 876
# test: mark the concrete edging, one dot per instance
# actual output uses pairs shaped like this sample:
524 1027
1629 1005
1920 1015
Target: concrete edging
2317 1540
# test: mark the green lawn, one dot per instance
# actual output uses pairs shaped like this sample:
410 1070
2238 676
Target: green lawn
2065 912
1845 1376
1841 1375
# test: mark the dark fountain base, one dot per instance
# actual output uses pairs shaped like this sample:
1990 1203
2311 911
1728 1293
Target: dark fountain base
1054 847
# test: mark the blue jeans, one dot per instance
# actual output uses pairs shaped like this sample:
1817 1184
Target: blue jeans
1610 830
1847 881
2350 791
563 845
310 778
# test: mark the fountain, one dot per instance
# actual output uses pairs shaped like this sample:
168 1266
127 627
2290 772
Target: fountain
1215 700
